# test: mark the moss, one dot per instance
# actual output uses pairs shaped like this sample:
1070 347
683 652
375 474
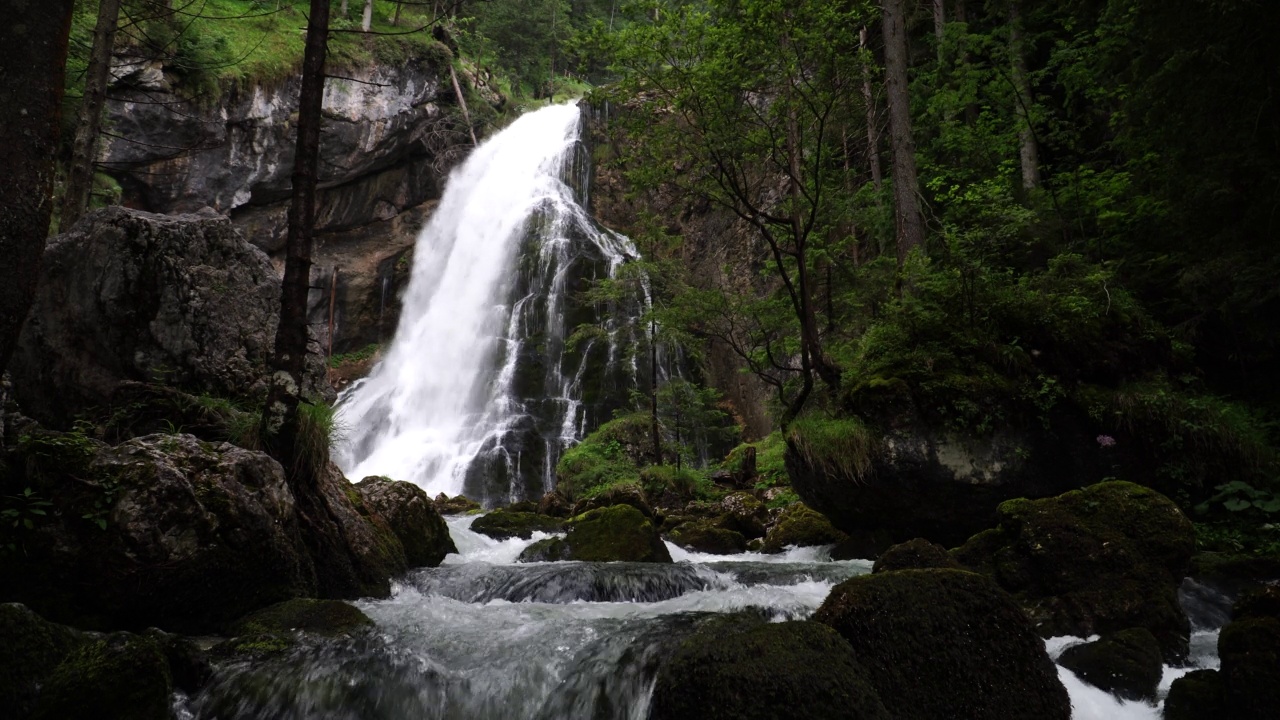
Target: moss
945 643
458 505
801 525
1250 654
328 618
503 524
1097 560
752 671
619 533
611 455
30 649
1127 664
1198 695
916 554
837 448
622 494
709 539
121 676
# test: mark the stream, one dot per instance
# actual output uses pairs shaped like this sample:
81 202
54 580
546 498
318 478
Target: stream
484 638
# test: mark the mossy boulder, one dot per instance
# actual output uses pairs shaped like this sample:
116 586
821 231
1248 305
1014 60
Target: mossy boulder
1127 664
619 533
611 455
705 538
726 671
457 505
1260 602
1093 561
1250 654
800 525
917 554
743 513
1198 695
119 677
503 524
621 494
328 618
30 649
412 517
939 643
555 504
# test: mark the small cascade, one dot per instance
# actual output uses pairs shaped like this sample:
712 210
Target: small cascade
481 389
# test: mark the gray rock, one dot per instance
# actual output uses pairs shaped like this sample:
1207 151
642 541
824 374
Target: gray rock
128 295
412 517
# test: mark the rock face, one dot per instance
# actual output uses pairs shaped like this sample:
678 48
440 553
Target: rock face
934 484
172 531
945 644
749 671
619 533
1098 560
412 517
131 296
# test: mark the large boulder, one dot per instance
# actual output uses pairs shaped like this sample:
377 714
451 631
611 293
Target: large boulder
118 677
800 525
731 670
707 538
917 554
1246 687
619 533
176 532
412 517
1127 664
901 478
940 644
30 649
130 296
1098 560
503 524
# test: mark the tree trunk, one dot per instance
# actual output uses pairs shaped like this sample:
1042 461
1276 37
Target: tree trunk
395 20
33 59
907 220
75 196
939 24
342 9
873 121
653 391
281 413
462 103
1029 152
366 20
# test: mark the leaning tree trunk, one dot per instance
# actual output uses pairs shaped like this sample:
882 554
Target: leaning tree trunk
33 60
75 196
281 413
907 220
1028 150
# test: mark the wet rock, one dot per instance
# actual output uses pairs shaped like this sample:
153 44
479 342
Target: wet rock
917 554
121 676
30 649
739 671
623 494
412 517
1098 560
1246 687
945 644
329 618
130 296
1262 602
1198 695
614 534
743 513
801 526
458 505
704 538
555 504
1127 664
502 524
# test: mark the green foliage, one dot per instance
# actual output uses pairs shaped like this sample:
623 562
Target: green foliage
838 448
1238 496
23 510
609 456
356 356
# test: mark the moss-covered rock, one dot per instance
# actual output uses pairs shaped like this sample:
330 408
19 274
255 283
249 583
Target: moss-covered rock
1198 695
1093 561
1258 603
412 517
1127 664
614 534
457 505
622 494
945 644
121 676
704 538
555 504
1250 654
502 524
800 525
327 618
611 455
917 554
764 671
30 649
743 513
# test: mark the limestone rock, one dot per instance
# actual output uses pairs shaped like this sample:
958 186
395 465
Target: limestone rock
1098 560
945 644
619 533
130 296
412 517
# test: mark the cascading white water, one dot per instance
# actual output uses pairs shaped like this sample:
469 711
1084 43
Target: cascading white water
443 394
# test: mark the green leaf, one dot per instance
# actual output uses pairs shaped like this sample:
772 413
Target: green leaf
1237 504
102 523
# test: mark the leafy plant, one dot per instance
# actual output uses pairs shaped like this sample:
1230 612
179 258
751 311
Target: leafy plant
1238 496
25 509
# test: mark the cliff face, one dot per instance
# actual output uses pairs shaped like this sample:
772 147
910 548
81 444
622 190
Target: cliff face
387 145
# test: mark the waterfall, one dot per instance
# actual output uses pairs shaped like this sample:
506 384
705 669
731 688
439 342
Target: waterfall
479 391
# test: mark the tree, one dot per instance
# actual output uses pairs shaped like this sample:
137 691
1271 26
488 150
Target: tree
907 219
75 195
1028 148
33 57
280 417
